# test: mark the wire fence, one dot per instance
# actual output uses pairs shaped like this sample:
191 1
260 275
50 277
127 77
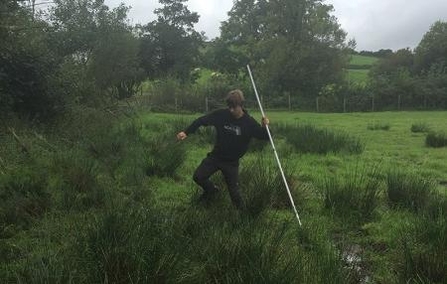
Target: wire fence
289 103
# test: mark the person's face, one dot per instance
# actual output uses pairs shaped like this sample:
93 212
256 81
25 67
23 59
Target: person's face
236 111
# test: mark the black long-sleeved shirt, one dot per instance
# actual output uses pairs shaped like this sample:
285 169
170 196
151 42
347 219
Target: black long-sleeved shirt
232 134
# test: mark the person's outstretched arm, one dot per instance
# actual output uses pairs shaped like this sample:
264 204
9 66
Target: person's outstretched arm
201 121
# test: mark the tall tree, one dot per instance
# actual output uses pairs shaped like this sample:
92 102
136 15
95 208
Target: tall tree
433 47
26 63
296 46
170 45
99 44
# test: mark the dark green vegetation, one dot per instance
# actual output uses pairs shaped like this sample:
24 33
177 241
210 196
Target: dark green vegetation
86 54
115 203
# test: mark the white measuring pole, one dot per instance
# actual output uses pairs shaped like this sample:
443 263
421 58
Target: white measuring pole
273 146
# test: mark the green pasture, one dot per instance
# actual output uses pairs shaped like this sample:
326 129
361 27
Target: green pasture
357 76
396 147
359 66
362 60
105 200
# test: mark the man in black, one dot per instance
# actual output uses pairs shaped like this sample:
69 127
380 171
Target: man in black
234 129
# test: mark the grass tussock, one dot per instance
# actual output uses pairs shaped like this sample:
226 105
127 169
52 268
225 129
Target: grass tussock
436 139
379 126
263 186
164 155
409 191
310 139
420 127
75 181
23 198
354 196
422 256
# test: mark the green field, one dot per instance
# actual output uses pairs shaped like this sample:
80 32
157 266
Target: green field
116 203
396 147
358 69
362 60
358 76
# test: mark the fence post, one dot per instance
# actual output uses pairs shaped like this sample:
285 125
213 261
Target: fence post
176 105
318 107
398 102
344 104
290 104
372 103
206 104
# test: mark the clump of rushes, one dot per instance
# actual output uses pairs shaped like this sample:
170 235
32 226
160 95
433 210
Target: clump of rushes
259 182
164 155
409 191
128 244
226 248
75 181
421 256
263 187
23 197
420 127
378 126
354 195
310 139
436 139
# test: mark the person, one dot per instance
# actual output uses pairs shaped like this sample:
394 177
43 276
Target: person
234 130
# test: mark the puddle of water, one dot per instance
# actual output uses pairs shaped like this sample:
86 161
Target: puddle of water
352 255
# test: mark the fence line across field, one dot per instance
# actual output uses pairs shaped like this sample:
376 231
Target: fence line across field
318 104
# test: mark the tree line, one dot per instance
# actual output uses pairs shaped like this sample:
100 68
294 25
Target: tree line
82 52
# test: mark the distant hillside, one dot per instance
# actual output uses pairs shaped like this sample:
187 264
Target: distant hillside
362 62
359 67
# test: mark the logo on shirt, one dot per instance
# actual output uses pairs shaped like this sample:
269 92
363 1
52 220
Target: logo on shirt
236 130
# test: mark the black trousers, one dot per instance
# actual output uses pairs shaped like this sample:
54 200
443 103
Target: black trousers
230 171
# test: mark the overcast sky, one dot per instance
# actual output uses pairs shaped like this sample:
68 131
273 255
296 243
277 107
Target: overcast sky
374 24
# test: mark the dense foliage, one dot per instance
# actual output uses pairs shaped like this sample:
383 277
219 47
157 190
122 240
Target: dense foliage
82 52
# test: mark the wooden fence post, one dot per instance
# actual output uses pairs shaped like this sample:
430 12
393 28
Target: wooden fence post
372 103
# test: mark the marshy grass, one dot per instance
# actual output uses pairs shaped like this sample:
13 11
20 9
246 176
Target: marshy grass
310 139
436 139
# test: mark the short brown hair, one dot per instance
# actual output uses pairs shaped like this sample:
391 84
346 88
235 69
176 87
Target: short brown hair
235 98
